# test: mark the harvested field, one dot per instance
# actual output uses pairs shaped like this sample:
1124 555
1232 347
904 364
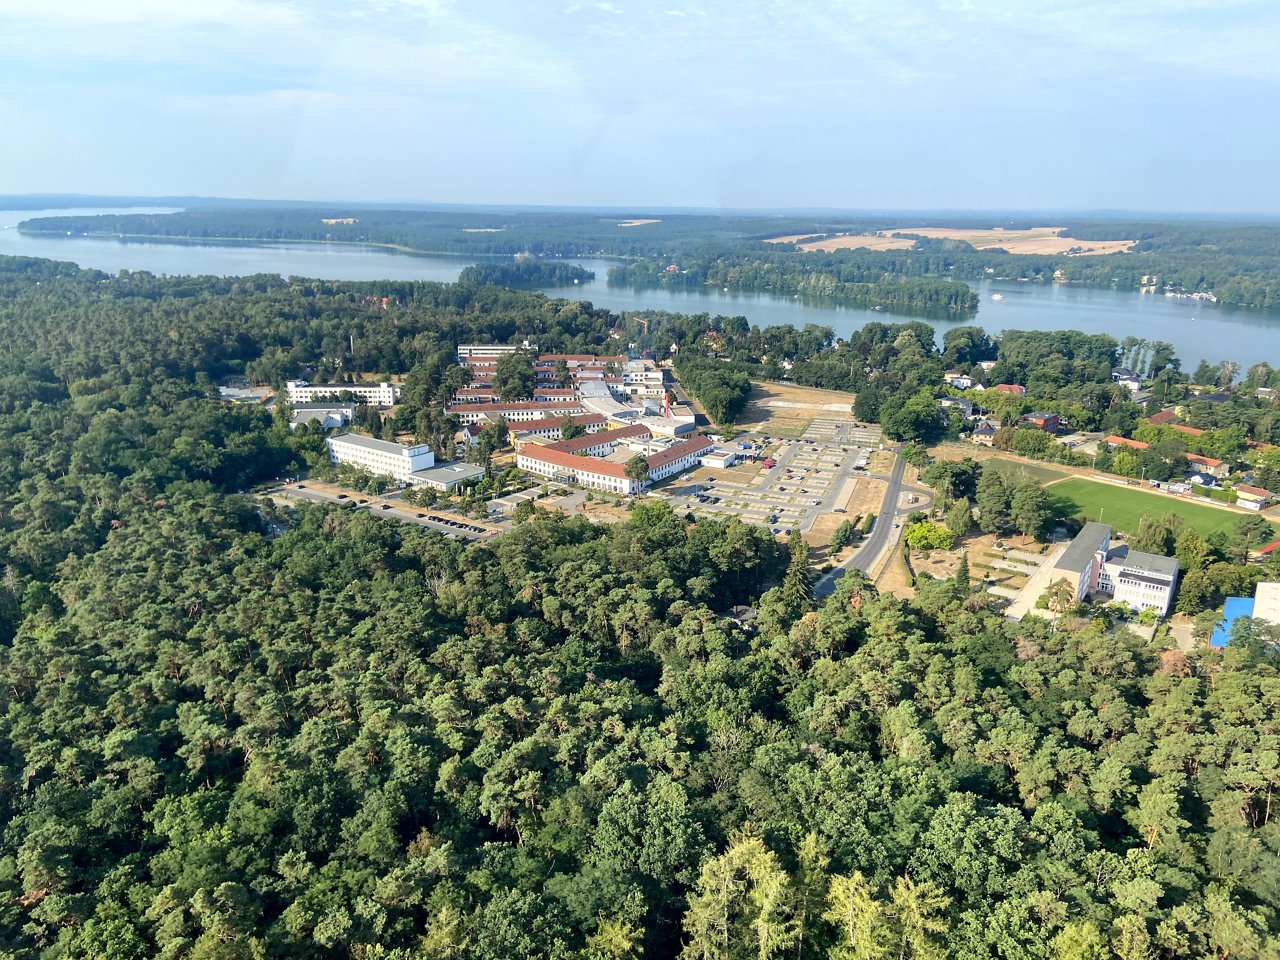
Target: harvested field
864 241
787 409
1041 240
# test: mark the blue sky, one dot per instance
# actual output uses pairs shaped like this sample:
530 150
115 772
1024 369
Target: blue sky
865 104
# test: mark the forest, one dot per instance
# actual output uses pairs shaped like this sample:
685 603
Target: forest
234 730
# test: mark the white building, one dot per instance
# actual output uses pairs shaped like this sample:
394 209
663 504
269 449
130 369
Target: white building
447 475
598 462
642 378
721 459
1143 581
466 350
375 394
328 415
380 457
516 412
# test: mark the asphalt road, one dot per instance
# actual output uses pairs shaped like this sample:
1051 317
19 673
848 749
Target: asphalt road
882 534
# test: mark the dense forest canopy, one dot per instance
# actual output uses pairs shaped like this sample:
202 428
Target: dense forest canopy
230 730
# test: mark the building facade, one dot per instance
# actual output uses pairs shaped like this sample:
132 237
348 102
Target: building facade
380 457
375 394
1091 565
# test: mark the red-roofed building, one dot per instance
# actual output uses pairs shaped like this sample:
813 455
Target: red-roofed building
550 427
1215 468
1183 428
581 460
1010 388
513 412
1114 441
1163 418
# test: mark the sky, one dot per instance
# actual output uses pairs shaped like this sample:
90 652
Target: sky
1159 105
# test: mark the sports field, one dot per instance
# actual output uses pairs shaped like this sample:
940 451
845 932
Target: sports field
1124 507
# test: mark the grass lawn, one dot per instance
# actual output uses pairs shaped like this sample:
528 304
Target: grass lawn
1019 469
1124 507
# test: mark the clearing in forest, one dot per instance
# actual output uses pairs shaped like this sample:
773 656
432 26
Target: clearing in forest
1036 240
787 410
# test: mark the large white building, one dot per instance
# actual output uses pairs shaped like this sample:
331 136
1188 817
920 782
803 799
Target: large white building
1091 565
375 394
643 378
381 457
513 412
598 461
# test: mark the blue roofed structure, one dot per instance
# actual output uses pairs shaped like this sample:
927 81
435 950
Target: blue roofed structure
1232 610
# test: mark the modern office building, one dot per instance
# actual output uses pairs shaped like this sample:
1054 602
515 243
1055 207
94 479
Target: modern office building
381 457
1091 565
375 394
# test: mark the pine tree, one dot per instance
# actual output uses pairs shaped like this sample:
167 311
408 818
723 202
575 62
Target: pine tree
961 579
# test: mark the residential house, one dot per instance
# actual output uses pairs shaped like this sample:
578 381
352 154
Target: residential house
1047 422
984 432
1215 468
961 381
1251 498
1013 389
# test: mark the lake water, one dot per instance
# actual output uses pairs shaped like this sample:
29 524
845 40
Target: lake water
1196 329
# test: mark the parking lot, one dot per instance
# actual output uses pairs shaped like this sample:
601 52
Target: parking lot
806 479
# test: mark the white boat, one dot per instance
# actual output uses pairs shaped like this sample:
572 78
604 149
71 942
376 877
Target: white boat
997 296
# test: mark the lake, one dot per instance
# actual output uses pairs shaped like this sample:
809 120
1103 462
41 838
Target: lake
1197 330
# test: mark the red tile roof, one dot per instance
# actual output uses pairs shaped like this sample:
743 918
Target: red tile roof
1203 461
548 423
1255 492
1010 388
504 407
677 450
1162 418
1182 428
1126 442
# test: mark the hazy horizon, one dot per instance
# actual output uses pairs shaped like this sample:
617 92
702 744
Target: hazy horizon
752 107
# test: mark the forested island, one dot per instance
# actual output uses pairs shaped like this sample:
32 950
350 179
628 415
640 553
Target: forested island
1238 264
234 730
526 272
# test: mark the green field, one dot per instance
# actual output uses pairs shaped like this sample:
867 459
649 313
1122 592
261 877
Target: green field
1021 469
1124 507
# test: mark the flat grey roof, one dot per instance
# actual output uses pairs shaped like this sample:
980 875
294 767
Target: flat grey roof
1150 563
331 405
1088 541
455 471
372 443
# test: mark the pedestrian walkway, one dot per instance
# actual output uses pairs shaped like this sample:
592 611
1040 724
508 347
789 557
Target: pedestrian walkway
1034 588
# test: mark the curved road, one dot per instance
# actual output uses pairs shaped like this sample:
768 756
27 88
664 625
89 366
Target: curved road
883 535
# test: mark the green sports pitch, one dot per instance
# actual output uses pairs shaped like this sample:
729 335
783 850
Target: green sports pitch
1124 507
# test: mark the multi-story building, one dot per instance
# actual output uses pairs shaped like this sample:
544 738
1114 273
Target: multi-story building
381 457
643 378
375 394
513 412
468 350
1091 565
596 462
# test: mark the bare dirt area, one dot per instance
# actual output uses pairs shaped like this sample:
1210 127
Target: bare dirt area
604 512
1042 240
882 462
777 407
636 223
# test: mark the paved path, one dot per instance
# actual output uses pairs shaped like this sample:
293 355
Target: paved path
883 534
1036 585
